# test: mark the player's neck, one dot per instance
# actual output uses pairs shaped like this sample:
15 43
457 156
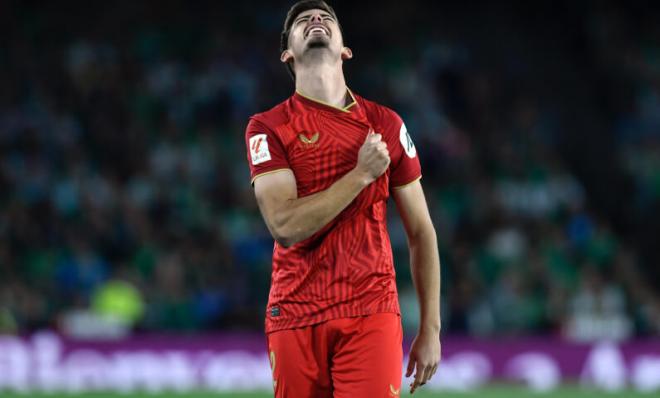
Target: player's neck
323 83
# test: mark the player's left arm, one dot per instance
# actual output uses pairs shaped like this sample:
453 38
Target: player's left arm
425 267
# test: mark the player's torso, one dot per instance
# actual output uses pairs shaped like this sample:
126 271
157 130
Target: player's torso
346 268
323 145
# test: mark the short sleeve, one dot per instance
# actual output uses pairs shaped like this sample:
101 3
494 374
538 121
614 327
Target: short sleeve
404 167
265 152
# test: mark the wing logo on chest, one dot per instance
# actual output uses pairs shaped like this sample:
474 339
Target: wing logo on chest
308 140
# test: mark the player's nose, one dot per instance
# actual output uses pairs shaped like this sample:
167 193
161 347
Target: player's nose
316 18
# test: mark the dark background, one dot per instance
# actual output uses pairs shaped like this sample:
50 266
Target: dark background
124 186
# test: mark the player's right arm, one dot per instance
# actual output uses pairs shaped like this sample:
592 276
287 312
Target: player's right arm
291 219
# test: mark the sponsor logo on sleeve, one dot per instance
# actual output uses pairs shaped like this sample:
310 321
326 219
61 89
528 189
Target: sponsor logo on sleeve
259 149
407 142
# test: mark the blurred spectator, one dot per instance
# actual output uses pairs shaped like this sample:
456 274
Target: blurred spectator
598 310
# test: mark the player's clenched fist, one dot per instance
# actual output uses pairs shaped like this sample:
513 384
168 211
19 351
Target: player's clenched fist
373 158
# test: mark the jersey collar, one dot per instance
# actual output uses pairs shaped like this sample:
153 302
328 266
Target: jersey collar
324 105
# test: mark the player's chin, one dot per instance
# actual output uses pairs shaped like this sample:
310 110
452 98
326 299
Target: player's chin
318 42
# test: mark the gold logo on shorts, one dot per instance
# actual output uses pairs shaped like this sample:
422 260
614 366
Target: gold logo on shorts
272 361
272 367
394 391
308 140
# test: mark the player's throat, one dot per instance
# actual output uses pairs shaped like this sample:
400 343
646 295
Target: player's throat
323 83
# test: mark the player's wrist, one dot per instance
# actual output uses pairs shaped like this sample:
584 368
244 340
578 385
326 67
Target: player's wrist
429 328
362 177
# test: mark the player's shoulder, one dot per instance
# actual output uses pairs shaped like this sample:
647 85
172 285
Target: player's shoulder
377 111
273 117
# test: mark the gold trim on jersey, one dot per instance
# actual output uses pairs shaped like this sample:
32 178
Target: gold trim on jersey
344 109
268 172
405 185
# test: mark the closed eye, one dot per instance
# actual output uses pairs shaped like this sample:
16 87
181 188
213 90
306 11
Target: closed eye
325 17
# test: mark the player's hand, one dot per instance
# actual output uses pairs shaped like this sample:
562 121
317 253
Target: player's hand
373 158
424 358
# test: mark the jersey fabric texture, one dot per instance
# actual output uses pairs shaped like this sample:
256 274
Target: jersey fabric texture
346 268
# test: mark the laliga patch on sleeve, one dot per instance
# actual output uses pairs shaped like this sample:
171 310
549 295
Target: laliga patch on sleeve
259 149
406 141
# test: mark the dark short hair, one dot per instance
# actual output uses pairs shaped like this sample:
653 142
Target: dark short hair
295 10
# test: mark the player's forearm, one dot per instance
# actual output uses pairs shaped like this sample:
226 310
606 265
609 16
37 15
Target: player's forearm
425 266
301 218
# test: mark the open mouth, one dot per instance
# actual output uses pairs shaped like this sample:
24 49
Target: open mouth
317 29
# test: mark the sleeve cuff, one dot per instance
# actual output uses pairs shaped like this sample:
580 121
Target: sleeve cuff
408 183
267 172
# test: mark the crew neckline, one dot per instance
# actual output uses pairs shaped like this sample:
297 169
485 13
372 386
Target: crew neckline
324 105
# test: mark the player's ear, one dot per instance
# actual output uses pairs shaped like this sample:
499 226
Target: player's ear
286 56
346 53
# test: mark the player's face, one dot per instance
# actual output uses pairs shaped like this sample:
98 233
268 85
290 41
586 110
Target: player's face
315 30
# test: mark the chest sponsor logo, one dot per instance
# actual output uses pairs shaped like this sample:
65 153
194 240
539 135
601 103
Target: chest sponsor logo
259 149
407 142
308 139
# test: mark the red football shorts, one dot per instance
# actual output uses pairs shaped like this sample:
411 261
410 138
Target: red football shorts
357 357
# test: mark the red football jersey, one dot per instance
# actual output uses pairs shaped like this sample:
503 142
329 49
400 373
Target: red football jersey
346 268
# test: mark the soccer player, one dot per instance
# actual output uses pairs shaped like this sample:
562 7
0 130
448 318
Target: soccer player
323 164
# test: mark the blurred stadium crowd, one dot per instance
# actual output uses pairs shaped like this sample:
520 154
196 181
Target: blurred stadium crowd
124 187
